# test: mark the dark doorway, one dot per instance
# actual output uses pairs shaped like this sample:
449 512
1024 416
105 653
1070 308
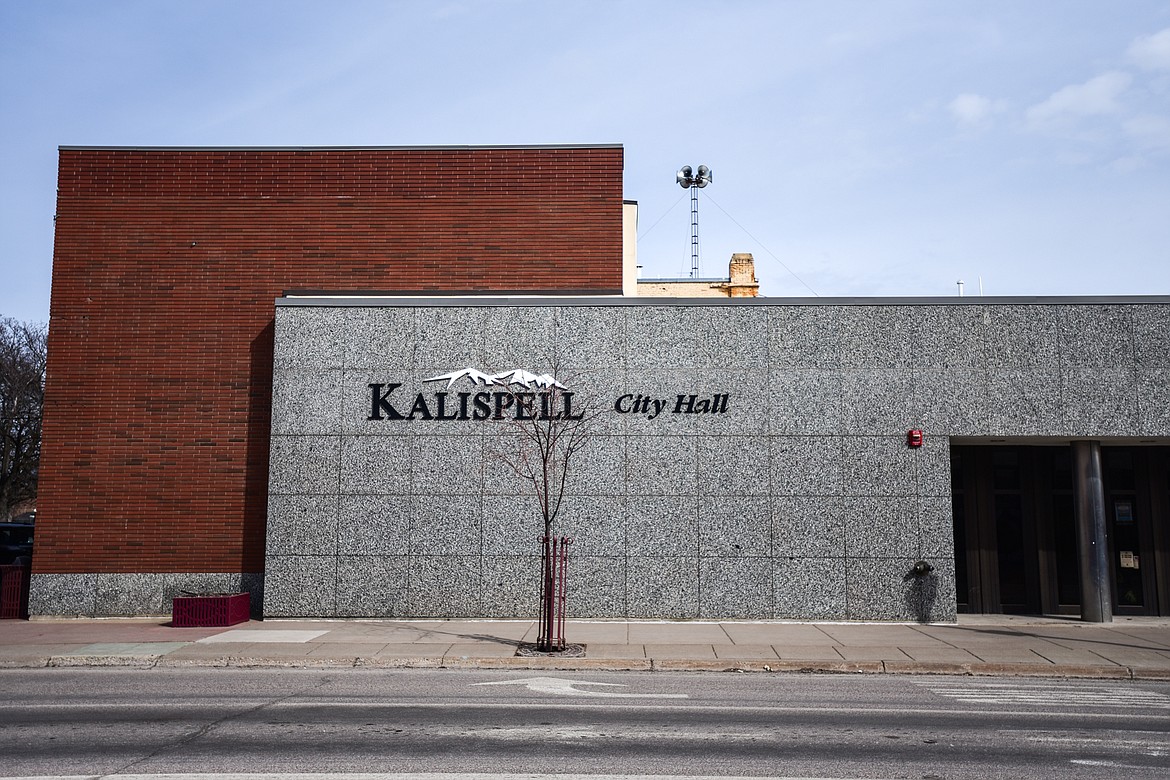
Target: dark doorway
1016 547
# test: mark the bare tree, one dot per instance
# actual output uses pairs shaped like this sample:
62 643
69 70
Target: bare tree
22 395
546 429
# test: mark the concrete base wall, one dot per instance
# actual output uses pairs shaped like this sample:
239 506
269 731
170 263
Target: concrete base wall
130 595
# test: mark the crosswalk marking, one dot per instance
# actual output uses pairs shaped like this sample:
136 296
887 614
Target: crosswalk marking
1049 694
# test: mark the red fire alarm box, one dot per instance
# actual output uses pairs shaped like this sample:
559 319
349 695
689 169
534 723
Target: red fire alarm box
915 437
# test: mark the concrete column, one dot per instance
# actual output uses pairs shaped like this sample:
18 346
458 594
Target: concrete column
1096 585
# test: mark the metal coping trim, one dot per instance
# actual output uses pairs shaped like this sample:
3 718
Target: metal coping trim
343 294
405 148
615 298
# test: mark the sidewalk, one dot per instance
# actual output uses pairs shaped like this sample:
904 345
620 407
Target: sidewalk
1128 648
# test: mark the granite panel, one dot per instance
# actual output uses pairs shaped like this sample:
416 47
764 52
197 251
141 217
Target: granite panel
886 589
375 465
452 337
373 525
805 465
808 527
592 337
1099 403
372 586
511 586
252 583
877 337
300 586
733 465
933 465
446 524
447 464
949 403
877 466
595 585
220 582
521 337
880 527
445 586
735 588
804 336
809 588
306 401
664 587
1021 336
662 337
381 337
598 467
661 465
62 595
1098 336
308 337
662 525
303 464
513 524
1153 388
936 529
949 336
596 524
735 526
732 334
1023 402
1151 337
804 401
302 525
126 595
500 464
876 402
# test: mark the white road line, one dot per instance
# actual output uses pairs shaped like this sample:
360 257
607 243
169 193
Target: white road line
562 687
1049 695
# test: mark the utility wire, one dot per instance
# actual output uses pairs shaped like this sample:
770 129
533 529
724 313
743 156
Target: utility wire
766 249
646 232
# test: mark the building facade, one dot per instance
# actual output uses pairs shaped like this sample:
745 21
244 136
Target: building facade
245 393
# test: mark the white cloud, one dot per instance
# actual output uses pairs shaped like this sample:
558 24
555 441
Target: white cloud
1151 52
1096 96
969 109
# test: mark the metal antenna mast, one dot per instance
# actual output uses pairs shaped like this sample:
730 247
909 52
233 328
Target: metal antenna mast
687 178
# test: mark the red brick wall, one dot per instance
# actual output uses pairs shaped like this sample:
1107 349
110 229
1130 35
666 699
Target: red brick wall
166 266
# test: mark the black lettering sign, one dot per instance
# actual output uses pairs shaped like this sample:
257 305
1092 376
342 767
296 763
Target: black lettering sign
380 403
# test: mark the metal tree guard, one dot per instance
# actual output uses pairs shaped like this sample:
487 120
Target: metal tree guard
551 629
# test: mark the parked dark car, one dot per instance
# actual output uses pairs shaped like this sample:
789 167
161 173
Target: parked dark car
16 541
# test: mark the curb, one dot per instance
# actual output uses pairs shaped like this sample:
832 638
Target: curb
538 663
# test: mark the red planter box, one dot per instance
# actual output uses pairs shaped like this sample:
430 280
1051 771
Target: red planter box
217 609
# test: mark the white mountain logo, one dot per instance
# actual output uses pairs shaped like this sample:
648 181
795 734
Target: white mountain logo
516 376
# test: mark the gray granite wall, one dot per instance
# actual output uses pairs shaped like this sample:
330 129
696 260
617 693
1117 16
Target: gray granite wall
121 595
802 501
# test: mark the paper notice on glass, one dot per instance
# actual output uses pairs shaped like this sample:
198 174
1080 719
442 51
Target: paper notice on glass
1128 560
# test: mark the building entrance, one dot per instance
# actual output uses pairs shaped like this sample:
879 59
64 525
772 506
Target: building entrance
1016 547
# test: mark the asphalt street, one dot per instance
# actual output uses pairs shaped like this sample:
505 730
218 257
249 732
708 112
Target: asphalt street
95 722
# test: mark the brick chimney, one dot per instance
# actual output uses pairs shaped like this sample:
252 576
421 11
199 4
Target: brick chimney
742 271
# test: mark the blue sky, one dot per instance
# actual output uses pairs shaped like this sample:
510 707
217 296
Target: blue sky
859 148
